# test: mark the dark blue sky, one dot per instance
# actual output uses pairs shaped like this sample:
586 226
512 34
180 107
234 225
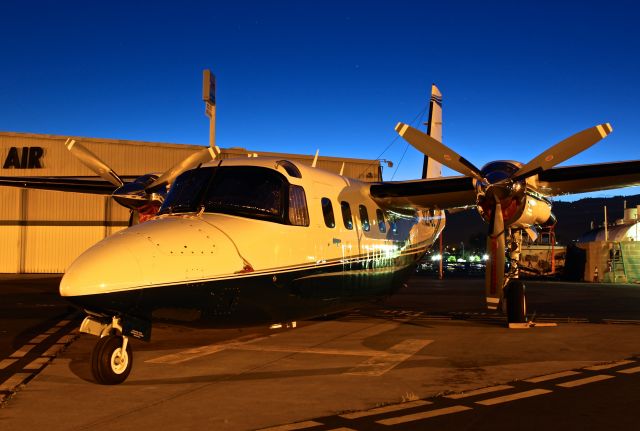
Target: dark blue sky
295 76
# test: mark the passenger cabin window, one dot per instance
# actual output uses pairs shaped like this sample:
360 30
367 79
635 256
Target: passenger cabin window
364 218
381 225
346 215
298 213
327 212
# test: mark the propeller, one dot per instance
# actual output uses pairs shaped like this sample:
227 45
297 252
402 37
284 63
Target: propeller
564 150
498 189
143 195
438 151
192 161
92 161
494 273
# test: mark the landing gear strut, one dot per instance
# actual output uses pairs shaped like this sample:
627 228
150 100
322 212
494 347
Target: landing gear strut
111 358
514 298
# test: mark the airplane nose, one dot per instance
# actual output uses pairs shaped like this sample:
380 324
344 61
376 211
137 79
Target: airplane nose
108 266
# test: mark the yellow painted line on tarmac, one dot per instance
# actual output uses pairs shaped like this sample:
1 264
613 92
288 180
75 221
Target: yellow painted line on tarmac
423 415
587 380
292 427
197 352
394 356
513 397
610 365
39 339
553 376
385 409
6 363
478 392
630 370
62 323
37 363
22 351
14 381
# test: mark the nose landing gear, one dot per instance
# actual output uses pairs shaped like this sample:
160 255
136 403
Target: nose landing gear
111 360
112 357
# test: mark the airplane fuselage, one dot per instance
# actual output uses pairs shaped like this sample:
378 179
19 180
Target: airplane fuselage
248 241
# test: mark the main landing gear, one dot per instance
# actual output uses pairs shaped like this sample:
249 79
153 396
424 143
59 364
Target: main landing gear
513 296
112 357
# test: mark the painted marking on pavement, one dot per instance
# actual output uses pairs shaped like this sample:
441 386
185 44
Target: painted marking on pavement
53 350
553 376
65 339
513 397
294 426
423 415
14 381
385 409
478 392
630 370
580 382
379 365
7 362
52 330
607 366
62 323
197 352
37 363
39 339
22 351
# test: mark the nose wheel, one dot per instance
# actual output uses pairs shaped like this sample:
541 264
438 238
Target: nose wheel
111 360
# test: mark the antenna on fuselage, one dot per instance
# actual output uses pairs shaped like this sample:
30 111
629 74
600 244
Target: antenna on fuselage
342 169
315 159
209 97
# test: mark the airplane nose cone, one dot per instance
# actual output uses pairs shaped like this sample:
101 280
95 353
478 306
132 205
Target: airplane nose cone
108 266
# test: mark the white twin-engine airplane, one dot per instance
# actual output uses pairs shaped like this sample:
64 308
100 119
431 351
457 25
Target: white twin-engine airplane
262 240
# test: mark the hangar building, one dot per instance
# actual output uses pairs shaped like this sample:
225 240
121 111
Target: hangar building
44 231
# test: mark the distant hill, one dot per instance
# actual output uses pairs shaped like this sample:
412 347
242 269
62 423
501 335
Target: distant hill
574 219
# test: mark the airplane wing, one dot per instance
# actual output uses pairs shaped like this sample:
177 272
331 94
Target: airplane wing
92 185
433 193
589 178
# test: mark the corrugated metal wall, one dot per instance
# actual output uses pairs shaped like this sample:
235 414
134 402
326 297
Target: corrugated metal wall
44 231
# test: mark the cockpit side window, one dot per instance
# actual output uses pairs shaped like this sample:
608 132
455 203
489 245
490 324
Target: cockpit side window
364 218
327 212
298 212
186 191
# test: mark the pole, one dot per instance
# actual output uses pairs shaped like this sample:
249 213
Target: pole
606 228
441 256
212 125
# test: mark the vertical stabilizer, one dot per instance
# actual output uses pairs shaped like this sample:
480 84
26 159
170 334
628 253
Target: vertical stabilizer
431 168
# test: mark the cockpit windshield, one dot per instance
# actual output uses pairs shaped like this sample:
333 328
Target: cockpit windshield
247 191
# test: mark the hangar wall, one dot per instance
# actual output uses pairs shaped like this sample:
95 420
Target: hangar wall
44 231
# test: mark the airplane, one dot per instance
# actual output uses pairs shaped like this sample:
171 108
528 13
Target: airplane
263 240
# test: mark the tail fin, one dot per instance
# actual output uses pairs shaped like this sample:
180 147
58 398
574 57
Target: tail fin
431 168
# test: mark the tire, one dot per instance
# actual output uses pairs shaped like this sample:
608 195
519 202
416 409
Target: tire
108 365
516 302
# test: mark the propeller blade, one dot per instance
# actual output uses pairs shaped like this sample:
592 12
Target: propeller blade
92 162
202 156
494 273
564 150
438 151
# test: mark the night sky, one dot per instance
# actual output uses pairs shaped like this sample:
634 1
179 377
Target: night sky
516 76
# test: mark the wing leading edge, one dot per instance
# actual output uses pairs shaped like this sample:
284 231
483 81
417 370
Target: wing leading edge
432 193
92 185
